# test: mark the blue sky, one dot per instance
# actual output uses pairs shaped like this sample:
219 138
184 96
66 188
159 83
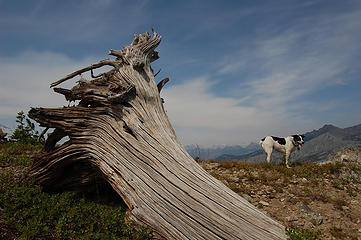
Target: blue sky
239 70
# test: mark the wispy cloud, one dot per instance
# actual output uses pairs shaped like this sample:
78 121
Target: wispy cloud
198 115
314 53
282 70
202 118
25 80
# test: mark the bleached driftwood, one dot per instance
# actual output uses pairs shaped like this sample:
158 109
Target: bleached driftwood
120 133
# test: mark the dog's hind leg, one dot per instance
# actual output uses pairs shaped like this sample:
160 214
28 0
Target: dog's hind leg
268 152
267 148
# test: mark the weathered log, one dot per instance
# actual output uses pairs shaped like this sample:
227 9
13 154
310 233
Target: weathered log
119 132
3 136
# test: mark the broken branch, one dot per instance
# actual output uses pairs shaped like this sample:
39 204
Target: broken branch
99 64
161 84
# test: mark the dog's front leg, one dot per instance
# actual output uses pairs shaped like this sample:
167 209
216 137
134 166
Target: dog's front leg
287 157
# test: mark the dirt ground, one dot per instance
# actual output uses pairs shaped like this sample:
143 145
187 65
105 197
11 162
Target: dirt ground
322 198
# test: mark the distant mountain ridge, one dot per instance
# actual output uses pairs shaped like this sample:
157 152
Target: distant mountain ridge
214 152
319 145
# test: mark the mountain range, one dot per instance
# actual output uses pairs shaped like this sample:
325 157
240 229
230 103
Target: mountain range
215 152
320 145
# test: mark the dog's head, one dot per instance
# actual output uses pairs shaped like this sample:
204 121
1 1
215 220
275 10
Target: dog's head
298 140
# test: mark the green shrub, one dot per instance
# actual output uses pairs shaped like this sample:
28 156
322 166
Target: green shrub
302 234
36 214
25 131
17 154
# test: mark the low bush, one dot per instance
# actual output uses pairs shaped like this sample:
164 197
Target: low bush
34 214
302 234
17 154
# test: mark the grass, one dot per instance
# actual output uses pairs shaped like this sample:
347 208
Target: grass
30 213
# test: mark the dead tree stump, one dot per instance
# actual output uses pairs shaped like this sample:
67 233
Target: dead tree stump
119 133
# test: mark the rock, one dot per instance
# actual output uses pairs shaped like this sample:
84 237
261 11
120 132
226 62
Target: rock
344 158
314 217
291 218
354 201
304 180
247 197
234 179
272 195
345 208
301 224
348 155
264 203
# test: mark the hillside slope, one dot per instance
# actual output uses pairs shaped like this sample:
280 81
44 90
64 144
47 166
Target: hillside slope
314 197
322 198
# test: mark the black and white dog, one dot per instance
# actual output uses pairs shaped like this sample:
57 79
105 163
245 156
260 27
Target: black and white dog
284 145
